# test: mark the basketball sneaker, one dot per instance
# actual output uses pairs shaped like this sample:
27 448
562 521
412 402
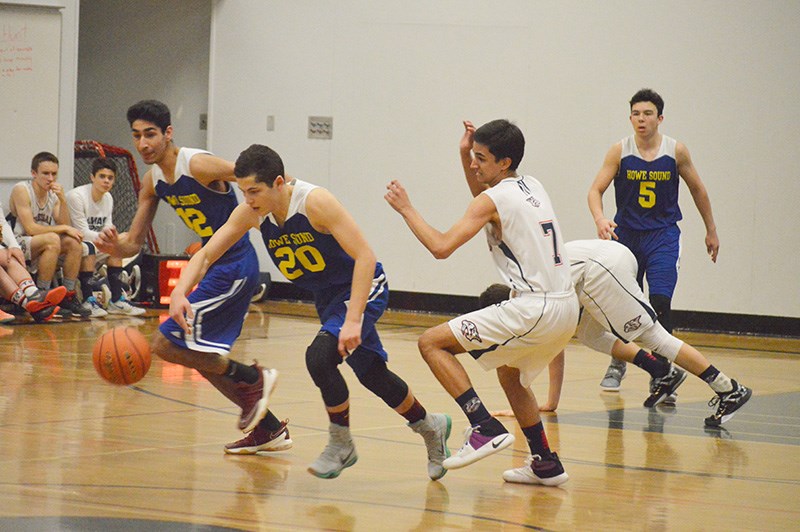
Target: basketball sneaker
546 471
121 306
727 404
614 375
72 304
434 429
5 317
477 446
255 397
262 439
339 454
43 305
94 306
663 387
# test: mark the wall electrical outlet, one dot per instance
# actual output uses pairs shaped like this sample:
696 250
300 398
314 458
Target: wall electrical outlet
320 127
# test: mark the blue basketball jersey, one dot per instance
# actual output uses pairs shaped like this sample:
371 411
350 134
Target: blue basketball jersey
202 209
310 259
647 191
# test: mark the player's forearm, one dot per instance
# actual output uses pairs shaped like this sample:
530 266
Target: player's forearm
703 204
595 200
427 235
363 274
466 163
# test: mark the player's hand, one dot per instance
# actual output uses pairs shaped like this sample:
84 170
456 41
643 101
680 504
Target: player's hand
548 407
74 233
712 246
605 229
107 240
180 310
16 253
349 338
397 196
467 139
58 189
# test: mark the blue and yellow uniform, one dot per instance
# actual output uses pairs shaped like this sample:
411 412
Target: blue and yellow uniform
222 297
316 262
648 213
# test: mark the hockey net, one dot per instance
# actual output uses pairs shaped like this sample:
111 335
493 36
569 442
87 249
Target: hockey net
126 186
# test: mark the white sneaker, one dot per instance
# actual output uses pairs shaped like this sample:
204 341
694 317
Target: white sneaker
97 310
123 307
538 470
477 446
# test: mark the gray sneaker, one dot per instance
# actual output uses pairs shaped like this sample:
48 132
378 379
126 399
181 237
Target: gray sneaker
435 429
337 455
614 375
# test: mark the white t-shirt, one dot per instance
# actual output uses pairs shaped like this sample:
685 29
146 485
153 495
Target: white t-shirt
86 215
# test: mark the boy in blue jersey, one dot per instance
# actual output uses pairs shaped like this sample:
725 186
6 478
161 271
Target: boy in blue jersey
196 184
317 245
645 168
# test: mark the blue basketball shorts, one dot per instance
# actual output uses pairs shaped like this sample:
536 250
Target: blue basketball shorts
658 254
332 311
220 303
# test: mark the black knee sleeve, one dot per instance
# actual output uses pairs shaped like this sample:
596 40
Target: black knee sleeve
382 382
663 307
322 359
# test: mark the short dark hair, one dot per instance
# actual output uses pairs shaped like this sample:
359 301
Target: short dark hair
261 161
104 162
649 95
503 139
152 111
42 157
494 294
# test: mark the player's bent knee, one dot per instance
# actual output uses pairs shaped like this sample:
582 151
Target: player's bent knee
384 383
322 360
658 340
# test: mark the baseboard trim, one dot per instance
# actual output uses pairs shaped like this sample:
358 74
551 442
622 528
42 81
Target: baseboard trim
684 320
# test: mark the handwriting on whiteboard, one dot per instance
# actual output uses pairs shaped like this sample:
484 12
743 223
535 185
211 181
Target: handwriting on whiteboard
16 53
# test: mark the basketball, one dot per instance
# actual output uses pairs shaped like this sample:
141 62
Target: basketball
193 248
122 356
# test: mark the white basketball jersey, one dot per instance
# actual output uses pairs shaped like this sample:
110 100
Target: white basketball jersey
41 214
88 216
530 253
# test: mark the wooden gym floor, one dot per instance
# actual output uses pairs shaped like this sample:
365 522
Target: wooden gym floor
79 454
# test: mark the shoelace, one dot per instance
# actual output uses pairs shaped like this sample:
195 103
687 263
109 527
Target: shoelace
467 436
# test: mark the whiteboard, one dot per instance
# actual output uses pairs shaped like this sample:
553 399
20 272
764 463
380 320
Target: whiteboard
30 59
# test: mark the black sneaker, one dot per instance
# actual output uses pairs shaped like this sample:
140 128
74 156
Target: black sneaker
72 304
727 404
665 386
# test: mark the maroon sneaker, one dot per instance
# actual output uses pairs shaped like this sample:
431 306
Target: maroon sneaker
255 397
262 440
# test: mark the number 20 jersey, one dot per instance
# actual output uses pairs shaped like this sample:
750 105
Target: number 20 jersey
312 260
646 192
202 209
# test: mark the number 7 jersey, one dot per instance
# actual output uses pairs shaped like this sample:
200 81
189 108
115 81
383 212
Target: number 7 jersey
202 209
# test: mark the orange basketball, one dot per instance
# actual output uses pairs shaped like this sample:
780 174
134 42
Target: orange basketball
122 356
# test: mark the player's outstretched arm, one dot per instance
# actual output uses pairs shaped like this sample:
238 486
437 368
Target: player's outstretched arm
605 226
480 211
240 221
130 243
